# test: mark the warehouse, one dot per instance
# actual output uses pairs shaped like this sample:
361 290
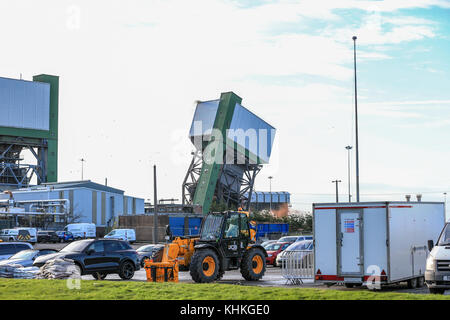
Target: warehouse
88 201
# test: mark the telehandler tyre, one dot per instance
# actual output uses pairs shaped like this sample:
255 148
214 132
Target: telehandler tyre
204 266
253 265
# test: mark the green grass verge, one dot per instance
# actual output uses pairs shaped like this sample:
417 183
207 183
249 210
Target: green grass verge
105 290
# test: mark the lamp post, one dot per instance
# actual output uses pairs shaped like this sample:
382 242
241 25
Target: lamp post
270 191
356 122
349 179
82 168
337 189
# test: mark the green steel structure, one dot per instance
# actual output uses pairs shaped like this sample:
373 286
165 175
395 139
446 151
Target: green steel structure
43 145
211 175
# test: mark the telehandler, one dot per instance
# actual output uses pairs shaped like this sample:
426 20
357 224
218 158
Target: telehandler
226 242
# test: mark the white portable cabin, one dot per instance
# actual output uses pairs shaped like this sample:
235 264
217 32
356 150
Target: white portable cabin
355 241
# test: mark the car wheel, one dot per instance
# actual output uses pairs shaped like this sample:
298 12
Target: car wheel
126 270
99 275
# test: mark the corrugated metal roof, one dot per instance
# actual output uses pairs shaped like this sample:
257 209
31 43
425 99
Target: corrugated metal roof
264 197
82 184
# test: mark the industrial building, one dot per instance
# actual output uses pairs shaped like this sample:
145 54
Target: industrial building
86 201
276 202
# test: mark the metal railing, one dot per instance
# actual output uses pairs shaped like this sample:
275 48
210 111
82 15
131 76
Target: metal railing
297 265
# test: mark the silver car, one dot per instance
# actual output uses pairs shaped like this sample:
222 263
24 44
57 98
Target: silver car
26 257
305 245
7 249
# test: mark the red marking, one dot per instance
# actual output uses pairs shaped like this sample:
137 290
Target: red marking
366 207
400 206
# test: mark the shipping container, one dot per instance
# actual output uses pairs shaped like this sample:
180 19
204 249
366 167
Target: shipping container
356 242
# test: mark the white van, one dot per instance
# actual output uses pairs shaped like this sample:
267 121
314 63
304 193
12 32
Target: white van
437 272
122 234
82 230
19 234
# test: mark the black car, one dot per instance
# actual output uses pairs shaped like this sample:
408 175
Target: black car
98 258
47 236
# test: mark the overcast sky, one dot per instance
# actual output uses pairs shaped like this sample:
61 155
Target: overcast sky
131 71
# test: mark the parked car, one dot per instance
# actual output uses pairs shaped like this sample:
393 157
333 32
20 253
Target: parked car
437 271
273 250
47 236
98 258
7 249
122 234
293 239
82 230
19 234
65 236
268 242
147 251
306 246
26 257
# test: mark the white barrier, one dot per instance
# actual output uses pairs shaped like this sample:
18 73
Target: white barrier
297 265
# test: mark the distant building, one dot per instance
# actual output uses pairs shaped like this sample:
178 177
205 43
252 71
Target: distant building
277 201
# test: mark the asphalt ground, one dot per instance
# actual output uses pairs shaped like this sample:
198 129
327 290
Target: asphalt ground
272 278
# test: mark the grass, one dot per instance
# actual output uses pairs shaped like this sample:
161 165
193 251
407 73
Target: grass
15 289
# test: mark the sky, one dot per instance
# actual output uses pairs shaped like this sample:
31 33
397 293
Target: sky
131 72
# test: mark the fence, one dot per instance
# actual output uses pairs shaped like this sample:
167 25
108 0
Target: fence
297 265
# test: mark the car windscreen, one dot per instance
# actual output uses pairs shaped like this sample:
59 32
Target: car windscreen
273 247
76 246
444 239
287 239
146 248
301 245
212 226
24 255
112 233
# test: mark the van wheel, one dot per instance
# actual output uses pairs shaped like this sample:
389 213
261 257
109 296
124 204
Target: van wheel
412 283
126 270
436 290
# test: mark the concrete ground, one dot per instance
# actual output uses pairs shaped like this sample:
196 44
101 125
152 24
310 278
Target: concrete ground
272 278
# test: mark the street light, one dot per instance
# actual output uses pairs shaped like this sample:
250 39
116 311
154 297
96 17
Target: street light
270 189
337 189
82 168
349 180
356 122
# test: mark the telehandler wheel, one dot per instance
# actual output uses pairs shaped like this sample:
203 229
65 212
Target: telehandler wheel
253 265
204 266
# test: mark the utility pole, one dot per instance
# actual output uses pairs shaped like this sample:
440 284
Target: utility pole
337 189
82 168
349 178
356 122
270 189
155 214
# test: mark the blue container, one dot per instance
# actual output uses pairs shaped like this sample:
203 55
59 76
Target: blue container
264 229
194 226
176 226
